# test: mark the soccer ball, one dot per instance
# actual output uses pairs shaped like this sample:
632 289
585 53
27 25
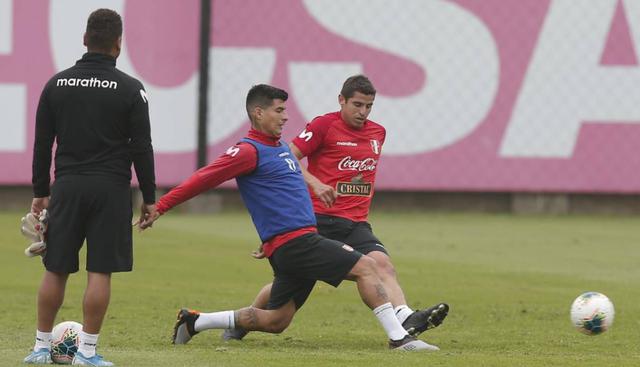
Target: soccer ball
592 313
64 341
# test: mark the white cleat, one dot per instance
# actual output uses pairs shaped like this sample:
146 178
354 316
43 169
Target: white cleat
410 343
40 356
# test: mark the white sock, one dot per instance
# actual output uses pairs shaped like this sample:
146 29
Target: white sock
215 320
43 340
87 344
402 312
389 322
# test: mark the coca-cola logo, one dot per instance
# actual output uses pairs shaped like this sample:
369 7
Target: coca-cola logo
348 164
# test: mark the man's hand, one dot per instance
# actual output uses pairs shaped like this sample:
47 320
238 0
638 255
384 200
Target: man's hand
325 193
259 253
148 215
38 205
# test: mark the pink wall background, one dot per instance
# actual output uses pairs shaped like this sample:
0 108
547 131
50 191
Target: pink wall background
156 37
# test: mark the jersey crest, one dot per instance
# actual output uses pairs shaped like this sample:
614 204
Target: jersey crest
375 146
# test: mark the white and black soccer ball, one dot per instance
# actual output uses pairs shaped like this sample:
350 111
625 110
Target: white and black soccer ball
592 313
64 341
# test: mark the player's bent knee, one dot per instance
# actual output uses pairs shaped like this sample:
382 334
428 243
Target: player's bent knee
386 267
366 266
383 263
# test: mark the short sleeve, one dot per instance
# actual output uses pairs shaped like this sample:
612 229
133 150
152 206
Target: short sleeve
312 137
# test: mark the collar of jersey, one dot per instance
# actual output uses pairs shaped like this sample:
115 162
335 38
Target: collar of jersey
97 57
263 138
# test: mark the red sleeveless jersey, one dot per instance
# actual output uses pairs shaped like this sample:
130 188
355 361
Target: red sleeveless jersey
345 158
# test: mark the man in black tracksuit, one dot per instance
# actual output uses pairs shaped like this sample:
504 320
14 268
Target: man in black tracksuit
99 119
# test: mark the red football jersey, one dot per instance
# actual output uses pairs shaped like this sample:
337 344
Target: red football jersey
345 158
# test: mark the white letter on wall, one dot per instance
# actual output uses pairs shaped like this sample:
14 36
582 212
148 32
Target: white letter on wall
13 124
450 43
565 85
233 71
173 110
13 97
6 26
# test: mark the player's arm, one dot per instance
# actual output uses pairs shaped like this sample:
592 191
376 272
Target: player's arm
324 192
238 160
41 165
141 148
142 153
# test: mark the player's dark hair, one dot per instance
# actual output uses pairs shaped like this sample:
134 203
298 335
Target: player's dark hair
104 27
262 95
357 83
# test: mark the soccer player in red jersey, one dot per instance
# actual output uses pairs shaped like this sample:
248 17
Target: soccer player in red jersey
343 150
274 191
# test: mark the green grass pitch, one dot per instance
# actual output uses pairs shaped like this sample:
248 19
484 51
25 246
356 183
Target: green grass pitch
509 280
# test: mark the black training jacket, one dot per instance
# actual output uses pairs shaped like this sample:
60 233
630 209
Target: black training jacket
99 119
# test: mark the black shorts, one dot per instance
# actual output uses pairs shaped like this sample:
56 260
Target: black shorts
95 208
300 262
358 235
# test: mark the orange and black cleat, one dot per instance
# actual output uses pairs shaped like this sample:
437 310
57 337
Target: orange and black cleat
184 329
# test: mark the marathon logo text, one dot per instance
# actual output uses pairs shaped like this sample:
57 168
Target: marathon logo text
87 83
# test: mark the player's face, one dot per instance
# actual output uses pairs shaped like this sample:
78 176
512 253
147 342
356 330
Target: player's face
355 110
271 119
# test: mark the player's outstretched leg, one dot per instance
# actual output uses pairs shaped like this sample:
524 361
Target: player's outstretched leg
189 322
184 329
423 320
